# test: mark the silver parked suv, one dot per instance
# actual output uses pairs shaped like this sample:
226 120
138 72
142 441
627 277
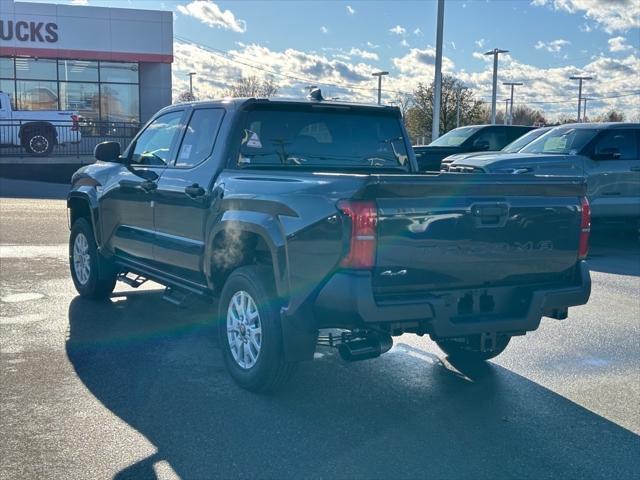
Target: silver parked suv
606 154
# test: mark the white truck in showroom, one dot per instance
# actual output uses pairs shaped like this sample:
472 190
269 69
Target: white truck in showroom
37 131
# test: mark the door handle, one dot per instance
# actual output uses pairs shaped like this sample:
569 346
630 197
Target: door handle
194 191
148 186
635 169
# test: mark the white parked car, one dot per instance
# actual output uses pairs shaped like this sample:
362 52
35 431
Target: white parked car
39 130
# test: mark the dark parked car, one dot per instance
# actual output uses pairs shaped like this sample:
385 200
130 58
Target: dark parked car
606 155
514 147
474 138
302 216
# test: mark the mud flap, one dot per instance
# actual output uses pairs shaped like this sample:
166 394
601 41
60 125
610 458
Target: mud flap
299 335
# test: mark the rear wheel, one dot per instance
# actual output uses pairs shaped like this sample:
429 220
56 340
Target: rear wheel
250 333
470 349
93 276
39 142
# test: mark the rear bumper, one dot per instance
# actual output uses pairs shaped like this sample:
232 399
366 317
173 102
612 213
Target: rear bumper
348 299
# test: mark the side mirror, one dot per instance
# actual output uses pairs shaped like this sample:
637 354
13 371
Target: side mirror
481 145
107 151
607 153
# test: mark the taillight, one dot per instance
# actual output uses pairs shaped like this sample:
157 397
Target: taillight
585 228
362 243
75 126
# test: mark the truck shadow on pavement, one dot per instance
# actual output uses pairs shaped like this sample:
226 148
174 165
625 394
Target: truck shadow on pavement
614 252
408 414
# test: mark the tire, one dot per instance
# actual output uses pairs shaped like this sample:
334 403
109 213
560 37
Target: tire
467 349
39 142
250 332
93 276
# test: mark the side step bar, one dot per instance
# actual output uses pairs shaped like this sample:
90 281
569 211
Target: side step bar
132 279
178 297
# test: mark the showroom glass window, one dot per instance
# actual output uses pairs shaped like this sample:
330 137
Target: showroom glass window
119 92
99 91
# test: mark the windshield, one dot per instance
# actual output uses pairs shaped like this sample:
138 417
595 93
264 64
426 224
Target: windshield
521 142
562 140
455 137
327 137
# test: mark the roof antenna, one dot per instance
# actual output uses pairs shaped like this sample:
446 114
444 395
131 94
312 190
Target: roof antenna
315 94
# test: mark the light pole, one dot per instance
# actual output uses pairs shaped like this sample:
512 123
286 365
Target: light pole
580 78
458 93
495 52
379 75
191 74
512 84
437 94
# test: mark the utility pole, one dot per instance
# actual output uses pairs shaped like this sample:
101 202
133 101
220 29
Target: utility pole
191 74
506 111
437 93
458 93
584 110
512 84
580 78
379 75
495 52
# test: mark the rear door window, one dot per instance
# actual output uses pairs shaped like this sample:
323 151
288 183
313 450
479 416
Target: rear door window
200 136
495 137
621 141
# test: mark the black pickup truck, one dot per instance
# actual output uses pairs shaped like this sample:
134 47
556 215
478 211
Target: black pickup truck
307 223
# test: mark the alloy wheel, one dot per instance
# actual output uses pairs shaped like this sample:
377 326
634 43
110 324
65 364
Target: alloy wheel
244 330
81 259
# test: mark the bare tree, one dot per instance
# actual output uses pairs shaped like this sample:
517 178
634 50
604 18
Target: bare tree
611 116
522 115
252 87
186 97
419 116
403 101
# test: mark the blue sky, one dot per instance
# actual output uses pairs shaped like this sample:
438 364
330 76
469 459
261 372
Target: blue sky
339 43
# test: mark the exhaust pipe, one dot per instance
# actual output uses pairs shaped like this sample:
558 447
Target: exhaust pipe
372 346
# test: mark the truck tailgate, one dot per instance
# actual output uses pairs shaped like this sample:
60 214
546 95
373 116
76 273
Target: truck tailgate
452 231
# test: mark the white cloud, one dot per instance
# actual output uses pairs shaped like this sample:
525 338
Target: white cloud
209 13
404 43
420 62
350 10
417 32
585 27
453 44
553 46
324 29
617 44
364 54
618 15
372 45
481 43
398 30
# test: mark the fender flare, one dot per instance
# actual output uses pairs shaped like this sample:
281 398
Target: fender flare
267 227
38 124
88 195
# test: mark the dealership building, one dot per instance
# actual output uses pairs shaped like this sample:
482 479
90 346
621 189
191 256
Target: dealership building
109 64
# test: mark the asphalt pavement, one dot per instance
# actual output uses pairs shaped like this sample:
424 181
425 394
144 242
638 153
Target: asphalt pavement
136 387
